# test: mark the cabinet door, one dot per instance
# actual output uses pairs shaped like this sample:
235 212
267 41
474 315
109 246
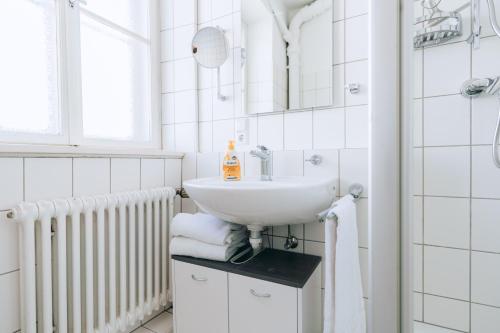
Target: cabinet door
257 306
200 299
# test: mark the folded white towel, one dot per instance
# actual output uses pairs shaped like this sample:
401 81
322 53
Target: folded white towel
344 310
206 228
190 247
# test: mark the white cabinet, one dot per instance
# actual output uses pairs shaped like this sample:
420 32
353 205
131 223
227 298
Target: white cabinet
200 298
213 300
261 306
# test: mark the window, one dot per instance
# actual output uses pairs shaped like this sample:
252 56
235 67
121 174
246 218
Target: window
107 96
29 91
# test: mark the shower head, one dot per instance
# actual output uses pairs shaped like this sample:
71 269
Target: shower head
478 87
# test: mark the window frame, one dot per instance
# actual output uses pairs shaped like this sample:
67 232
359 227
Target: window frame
70 86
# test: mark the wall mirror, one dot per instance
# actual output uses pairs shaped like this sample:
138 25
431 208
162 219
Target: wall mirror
210 50
287 59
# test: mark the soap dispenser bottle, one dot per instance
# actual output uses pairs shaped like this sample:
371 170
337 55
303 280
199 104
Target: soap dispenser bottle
231 165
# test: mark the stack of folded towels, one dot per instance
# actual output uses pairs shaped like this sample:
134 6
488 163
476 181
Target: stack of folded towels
205 236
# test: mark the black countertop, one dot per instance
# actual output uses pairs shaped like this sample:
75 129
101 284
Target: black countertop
283 267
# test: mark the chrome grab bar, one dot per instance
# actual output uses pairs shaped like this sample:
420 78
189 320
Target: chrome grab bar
256 294
355 190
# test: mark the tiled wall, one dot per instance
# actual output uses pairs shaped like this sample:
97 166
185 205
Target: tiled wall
457 187
29 179
339 134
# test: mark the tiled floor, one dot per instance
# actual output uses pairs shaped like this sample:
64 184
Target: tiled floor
163 323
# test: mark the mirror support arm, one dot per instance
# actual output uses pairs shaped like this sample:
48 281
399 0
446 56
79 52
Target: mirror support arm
219 93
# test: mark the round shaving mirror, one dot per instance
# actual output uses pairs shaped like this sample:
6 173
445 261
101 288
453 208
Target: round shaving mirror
210 47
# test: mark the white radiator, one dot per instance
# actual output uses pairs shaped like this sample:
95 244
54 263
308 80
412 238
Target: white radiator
94 264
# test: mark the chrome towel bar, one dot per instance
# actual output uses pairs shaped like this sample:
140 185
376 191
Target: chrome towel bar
355 190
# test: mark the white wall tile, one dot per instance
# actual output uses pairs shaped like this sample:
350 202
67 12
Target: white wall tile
47 178
485 227
446 272
125 174
288 163
485 319
328 129
485 59
418 268
484 119
91 176
447 171
182 41
9 247
447 222
223 109
173 171
356 38
314 232
328 168
152 173
298 130
184 74
426 328
189 166
485 175
205 130
297 230
10 305
221 8
205 104
353 169
168 137
252 165
188 206
11 182
355 7
185 137
357 72
208 165
167 77
446 313
485 276
223 131
356 119
446 68
446 121
185 12
271 131
168 108
317 249
185 106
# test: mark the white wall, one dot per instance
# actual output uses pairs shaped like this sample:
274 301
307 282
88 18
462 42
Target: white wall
338 133
30 179
457 187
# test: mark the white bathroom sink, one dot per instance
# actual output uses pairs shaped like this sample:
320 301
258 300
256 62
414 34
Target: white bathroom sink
284 200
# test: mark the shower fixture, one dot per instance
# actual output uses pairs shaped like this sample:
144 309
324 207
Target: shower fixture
475 36
486 87
437 26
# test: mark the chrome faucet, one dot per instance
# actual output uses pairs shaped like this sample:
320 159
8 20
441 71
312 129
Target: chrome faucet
266 162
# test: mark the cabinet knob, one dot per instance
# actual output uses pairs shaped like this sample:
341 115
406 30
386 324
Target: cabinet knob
198 279
256 294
